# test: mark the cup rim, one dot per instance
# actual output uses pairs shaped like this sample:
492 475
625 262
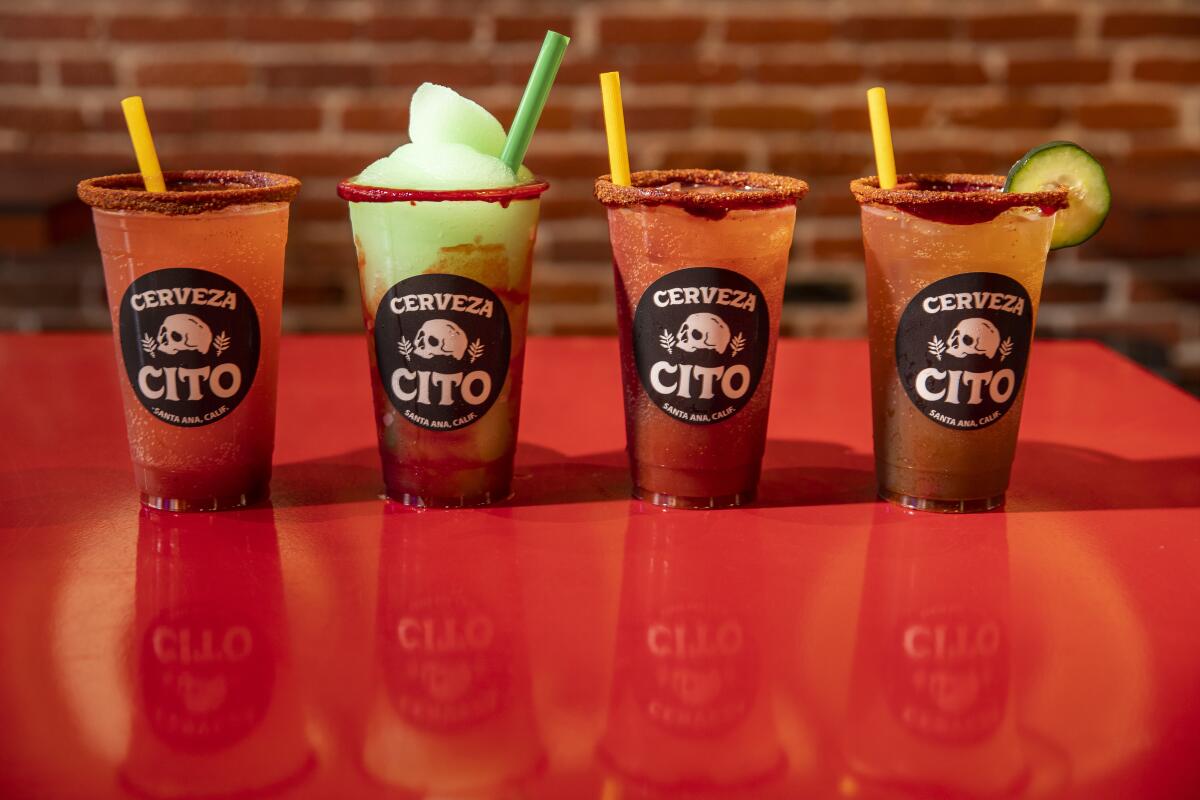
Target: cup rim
364 193
958 189
646 189
126 191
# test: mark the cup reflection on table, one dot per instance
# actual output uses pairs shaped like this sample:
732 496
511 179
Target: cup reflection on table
931 706
217 711
690 707
452 713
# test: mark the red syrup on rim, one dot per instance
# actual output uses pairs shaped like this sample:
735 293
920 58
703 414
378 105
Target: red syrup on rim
357 193
964 211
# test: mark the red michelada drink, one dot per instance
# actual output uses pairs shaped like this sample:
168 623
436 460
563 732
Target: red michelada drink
195 285
700 261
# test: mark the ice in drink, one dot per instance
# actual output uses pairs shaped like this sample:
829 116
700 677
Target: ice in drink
444 233
195 285
954 278
700 261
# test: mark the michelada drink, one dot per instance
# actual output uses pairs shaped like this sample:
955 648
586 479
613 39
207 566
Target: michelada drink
700 261
444 232
954 277
195 283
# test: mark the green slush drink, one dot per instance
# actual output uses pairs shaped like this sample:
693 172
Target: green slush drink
444 233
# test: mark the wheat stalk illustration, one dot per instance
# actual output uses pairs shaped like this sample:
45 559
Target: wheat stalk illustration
937 347
221 343
406 348
475 350
667 340
150 345
1006 348
737 344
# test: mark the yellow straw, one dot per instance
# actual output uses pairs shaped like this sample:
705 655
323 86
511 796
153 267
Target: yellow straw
881 132
143 144
614 126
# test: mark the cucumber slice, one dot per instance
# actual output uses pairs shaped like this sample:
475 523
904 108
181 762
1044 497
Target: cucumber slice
1066 164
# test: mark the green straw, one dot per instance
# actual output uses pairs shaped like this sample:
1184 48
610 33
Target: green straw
534 100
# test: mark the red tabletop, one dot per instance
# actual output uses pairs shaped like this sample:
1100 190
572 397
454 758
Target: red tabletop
575 643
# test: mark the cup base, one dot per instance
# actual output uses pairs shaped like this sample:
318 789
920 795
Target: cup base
972 506
692 503
464 501
201 504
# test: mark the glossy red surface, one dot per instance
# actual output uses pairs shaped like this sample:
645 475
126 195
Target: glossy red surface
574 643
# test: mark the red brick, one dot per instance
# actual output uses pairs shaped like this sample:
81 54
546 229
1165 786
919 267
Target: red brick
570 208
86 72
1020 27
457 73
773 29
1164 332
838 248
705 158
580 250
656 117
322 73
584 70
1036 72
1139 24
764 117
278 117
1173 158
1062 292
577 165
376 117
193 74
949 159
532 27
874 29
1127 116
17 73
555 116
279 28
807 163
651 30
854 118
1006 115
182 28
673 70
318 208
943 73
1162 290
41 119
1168 70
17 27
163 119
568 293
323 163
808 72
406 28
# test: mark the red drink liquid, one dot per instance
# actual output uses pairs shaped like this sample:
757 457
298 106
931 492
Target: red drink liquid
195 284
700 261
445 286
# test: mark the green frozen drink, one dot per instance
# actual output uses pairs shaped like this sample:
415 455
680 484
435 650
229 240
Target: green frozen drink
444 231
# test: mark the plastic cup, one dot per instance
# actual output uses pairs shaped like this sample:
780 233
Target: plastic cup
445 286
195 285
700 261
954 276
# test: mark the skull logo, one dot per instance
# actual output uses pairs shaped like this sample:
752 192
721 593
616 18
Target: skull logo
440 337
703 331
183 332
975 336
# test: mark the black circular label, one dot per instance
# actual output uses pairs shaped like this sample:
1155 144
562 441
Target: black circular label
442 343
700 339
190 341
961 348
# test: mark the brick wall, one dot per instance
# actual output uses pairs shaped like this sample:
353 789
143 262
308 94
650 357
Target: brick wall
320 88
